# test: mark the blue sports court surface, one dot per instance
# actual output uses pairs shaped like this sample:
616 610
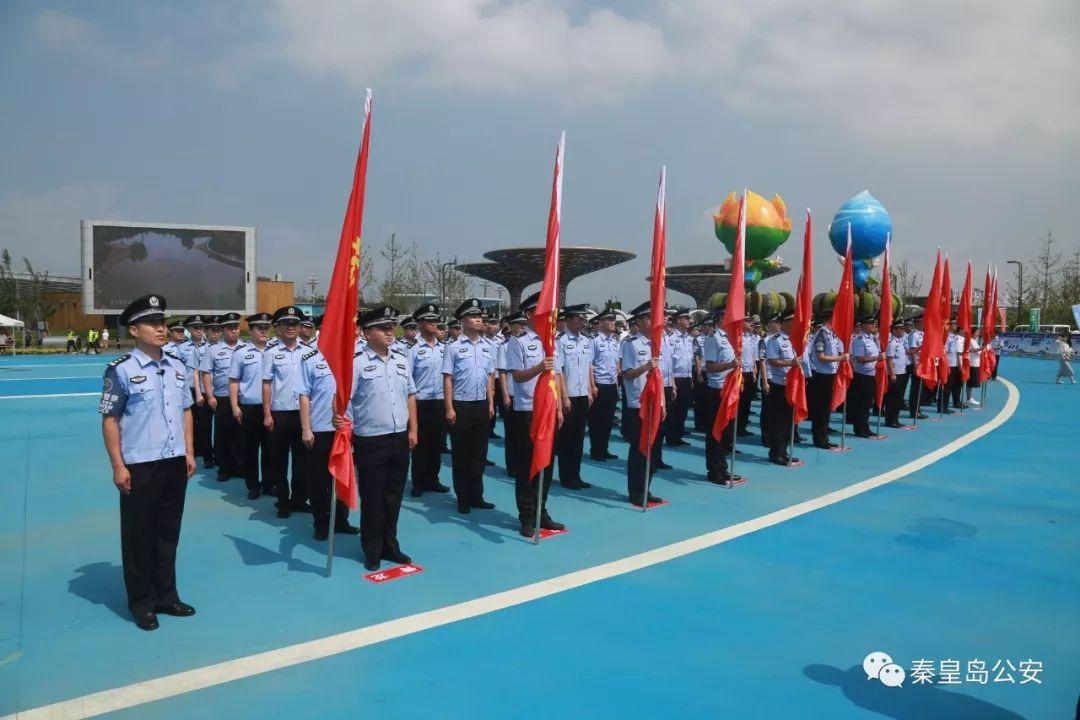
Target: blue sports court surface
954 548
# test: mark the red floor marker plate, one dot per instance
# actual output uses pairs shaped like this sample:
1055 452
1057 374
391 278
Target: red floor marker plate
658 504
740 481
840 449
544 533
796 464
878 437
910 427
935 419
393 573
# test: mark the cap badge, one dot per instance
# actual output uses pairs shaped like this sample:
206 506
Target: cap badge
153 301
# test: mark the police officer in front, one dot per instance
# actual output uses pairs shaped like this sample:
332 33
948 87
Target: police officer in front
826 354
469 402
865 355
281 413
719 360
215 374
384 431
779 358
426 359
147 427
525 361
245 397
605 362
637 360
896 357
573 359
682 370
316 387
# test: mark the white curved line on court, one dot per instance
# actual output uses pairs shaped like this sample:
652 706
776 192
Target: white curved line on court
244 667
39 397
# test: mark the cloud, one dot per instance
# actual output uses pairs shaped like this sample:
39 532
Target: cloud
883 70
61 31
44 227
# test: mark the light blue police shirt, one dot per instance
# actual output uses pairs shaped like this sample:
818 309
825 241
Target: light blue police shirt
573 358
636 351
149 397
247 370
718 349
896 355
193 357
279 366
915 342
953 342
469 364
682 358
316 382
500 364
217 361
778 348
605 358
751 350
864 344
824 341
427 362
523 352
381 390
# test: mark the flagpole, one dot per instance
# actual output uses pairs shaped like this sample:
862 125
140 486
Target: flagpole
331 523
735 439
918 398
539 501
648 458
791 440
940 390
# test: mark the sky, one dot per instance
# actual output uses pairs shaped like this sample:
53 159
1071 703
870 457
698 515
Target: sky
963 118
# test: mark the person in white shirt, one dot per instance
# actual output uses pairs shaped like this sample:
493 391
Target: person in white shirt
1065 354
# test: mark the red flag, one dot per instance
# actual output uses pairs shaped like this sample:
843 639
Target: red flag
881 371
933 347
986 331
963 323
545 395
339 321
734 316
843 322
795 390
946 315
652 397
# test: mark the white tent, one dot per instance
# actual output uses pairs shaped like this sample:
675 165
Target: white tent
7 322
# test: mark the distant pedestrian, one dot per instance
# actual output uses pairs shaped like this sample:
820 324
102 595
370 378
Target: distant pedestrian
1065 355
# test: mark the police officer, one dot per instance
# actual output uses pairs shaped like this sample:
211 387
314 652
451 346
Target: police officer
176 336
826 353
215 374
605 364
316 387
719 360
573 360
191 352
954 348
917 394
453 330
682 370
515 324
426 360
409 328
213 336
779 358
525 361
469 402
865 355
245 397
147 427
701 386
772 327
306 330
281 413
384 431
637 361
494 339
896 360
751 350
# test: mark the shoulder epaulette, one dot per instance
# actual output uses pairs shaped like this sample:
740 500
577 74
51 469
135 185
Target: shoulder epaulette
122 358
358 353
395 350
310 355
171 354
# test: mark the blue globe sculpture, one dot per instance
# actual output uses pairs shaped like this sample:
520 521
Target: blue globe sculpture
870 227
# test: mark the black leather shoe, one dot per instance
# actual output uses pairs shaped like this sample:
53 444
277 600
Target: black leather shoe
301 508
744 433
371 565
655 499
463 508
548 524
321 533
146 621
575 485
894 425
482 504
799 438
416 491
222 476
488 463
494 436
396 557
254 494
527 530
823 446
598 458
177 609
635 500
269 491
678 443
720 479
662 466
445 450
922 416
777 460
283 512
346 529
863 435
612 456
439 488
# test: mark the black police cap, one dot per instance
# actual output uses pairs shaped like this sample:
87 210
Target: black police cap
213 321
579 310
175 324
408 321
288 312
263 318
195 321
471 306
427 311
529 304
144 309
231 318
378 316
